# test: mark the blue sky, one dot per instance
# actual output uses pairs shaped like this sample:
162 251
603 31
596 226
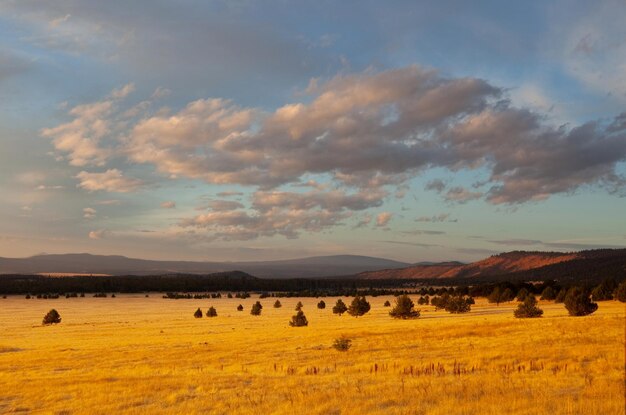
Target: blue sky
248 130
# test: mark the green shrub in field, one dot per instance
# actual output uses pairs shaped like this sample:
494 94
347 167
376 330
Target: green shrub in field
404 308
299 320
528 308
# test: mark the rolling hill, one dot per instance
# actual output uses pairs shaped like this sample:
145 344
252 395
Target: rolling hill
513 264
88 264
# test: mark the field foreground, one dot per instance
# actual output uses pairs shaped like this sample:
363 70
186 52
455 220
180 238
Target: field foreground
140 355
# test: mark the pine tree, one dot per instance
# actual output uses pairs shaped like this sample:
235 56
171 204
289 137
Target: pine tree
528 309
239 307
548 294
211 312
256 309
359 306
458 304
404 308
578 302
340 307
620 292
53 317
299 320
198 313
522 294
299 306
277 304
321 305
387 304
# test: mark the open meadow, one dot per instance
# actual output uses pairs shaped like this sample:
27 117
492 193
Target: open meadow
137 355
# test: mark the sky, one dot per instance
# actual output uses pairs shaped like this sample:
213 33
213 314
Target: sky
262 130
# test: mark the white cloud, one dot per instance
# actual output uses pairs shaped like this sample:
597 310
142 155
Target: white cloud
383 218
111 180
89 213
99 234
170 204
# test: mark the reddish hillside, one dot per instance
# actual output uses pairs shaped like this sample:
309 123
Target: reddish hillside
504 263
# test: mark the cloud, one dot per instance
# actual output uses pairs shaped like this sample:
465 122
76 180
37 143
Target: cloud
383 218
461 195
394 124
423 232
109 202
437 185
170 204
421 245
229 194
89 213
224 205
99 234
111 180
442 217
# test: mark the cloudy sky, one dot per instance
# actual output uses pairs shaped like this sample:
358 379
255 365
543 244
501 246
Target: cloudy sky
244 130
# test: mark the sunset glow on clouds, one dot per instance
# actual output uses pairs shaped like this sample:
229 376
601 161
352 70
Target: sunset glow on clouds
288 146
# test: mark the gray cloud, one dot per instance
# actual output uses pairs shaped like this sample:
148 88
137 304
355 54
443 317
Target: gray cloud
423 232
421 245
442 217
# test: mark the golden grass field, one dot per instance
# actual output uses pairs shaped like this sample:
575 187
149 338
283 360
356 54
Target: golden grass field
138 355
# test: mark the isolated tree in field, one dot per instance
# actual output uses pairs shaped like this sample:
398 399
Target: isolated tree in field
548 294
457 305
620 292
321 305
211 312
256 309
404 308
387 304
359 306
522 294
340 307
239 307
422 300
299 320
578 302
528 309
299 306
342 344
604 291
277 304
53 317
198 313
440 301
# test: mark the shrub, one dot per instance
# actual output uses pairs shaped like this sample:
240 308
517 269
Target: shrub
440 302
604 291
458 305
507 295
28 296
495 296
239 307
522 294
423 300
340 307
229 295
560 297
404 308
620 292
299 306
578 302
299 320
256 309
387 304
211 312
277 304
470 300
548 294
528 309
342 344
198 313
321 305
359 306
53 317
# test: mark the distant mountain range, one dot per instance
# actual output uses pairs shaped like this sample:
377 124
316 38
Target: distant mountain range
320 266
593 264
597 263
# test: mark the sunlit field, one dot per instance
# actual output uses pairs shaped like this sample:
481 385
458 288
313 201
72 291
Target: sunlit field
137 355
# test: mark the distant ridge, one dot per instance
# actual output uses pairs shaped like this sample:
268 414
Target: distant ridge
515 263
320 266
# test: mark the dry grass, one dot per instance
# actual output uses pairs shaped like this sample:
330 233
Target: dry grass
139 355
